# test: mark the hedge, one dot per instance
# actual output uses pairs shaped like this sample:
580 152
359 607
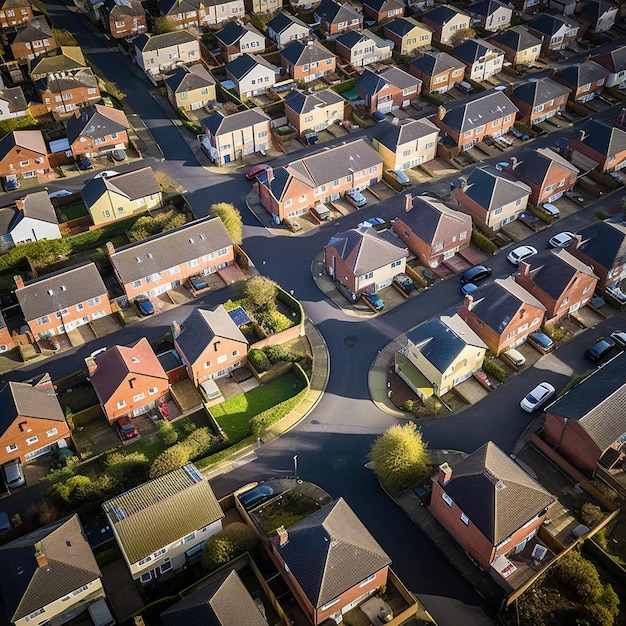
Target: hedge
483 243
497 371
258 360
261 422
433 98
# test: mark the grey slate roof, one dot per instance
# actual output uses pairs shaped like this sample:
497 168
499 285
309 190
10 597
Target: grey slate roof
303 53
402 25
82 78
331 551
34 30
14 97
492 189
149 43
201 326
550 24
189 78
302 102
333 12
486 7
482 109
516 38
244 64
58 291
371 83
222 602
95 122
598 403
595 9
27 586
219 124
160 252
282 21
121 8
535 165
613 60
433 64
161 511
442 339
441 15
133 185
604 138
351 38
37 206
471 50
605 243
497 495
579 75
394 135
233 32
539 91
382 5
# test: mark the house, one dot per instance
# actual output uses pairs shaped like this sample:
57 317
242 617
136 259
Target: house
547 174
363 258
164 261
555 31
14 12
68 59
190 88
391 88
481 59
224 601
156 54
210 344
586 425
407 144
6 340
329 560
560 281
489 505
602 246
324 176
230 137
538 100
432 231
61 94
492 15
563 7
335 17
123 18
604 144
307 61
584 80
49 573
492 198
236 39
445 21
313 111
128 381
257 7
59 302
614 61
32 419
284 28
111 198
12 103
32 39
185 13
23 153
465 123
381 11
518 45
97 130
362 48
252 75
502 314
34 219
439 354
598 15
163 524
407 35
439 72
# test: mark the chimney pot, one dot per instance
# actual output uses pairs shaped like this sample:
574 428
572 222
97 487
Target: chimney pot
581 135
469 301
19 282
445 474
513 161
408 201
110 248
42 561
441 112
283 535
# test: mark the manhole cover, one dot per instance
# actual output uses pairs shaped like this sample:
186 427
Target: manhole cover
350 341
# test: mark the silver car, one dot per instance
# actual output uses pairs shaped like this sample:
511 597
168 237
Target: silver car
537 397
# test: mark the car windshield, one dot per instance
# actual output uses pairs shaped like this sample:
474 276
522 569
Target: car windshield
128 428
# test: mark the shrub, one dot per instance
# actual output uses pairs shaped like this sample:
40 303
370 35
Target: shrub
598 615
264 420
497 371
579 575
591 514
146 226
407 406
556 333
277 353
260 295
275 321
601 215
236 539
127 470
259 360
167 433
231 218
601 539
483 243
200 442
170 459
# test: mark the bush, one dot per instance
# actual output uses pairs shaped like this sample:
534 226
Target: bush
200 442
127 470
601 539
275 321
556 333
407 406
260 295
236 539
231 218
170 459
591 514
258 359
495 370
167 433
483 243
265 419
277 353
146 226
598 615
579 575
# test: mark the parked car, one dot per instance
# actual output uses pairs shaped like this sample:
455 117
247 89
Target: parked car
378 116
562 240
521 254
374 299
619 337
541 342
143 304
292 224
321 212
254 496
600 348
465 87
83 163
255 170
61 193
106 174
500 166
14 474
356 198
475 274
514 357
126 428
405 283
551 210
118 155
11 183
537 397
400 177
197 283
468 288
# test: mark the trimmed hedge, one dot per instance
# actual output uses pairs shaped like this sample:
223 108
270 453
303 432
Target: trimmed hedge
483 243
497 371
261 422
258 359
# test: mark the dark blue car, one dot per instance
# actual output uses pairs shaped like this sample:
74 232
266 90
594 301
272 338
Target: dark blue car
143 304
254 496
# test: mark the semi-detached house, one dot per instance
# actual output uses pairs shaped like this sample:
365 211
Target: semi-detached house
160 53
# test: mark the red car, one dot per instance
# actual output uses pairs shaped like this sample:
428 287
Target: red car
254 171
126 428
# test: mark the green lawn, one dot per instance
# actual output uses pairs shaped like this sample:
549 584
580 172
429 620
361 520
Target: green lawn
234 415
74 210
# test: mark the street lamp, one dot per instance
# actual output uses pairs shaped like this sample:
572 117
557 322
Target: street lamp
621 119
295 467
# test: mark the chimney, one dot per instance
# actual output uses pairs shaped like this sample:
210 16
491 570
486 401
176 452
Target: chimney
110 248
463 185
408 201
513 161
175 328
283 536
90 362
42 561
581 135
469 301
441 112
19 283
578 239
445 474
587 58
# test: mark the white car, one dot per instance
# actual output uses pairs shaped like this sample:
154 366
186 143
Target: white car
537 397
562 240
500 166
62 193
521 254
106 174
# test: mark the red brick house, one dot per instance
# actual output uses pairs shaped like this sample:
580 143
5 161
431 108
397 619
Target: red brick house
14 12
329 561
585 80
97 130
335 17
381 11
390 88
432 231
561 282
438 72
489 505
61 94
307 61
32 419
210 344
6 340
32 39
128 380
123 18
538 100
603 143
23 153
502 314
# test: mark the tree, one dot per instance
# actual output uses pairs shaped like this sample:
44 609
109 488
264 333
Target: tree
231 218
170 459
200 442
399 457
260 295
462 35
162 25
236 539
167 433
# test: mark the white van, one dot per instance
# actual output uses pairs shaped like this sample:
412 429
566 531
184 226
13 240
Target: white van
14 474
100 613
514 357
210 390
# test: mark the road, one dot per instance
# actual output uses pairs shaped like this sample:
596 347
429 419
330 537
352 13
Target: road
333 442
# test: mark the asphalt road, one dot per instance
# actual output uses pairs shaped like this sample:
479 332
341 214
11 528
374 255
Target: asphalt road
332 443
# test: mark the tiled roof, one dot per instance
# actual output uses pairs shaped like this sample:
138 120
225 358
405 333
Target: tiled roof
605 243
539 91
595 9
150 43
95 122
491 189
70 564
535 165
133 185
478 111
442 15
173 7
37 206
189 78
29 139
57 84
613 60
233 32
433 64
302 102
550 24
161 511
160 252
15 99
351 38
581 74
70 58
244 64
382 5
121 8
58 291
395 135
34 30
486 7
334 12
331 551
497 495
201 326
516 38
598 403
371 83
471 50
282 21
219 124
302 53
403 25
604 138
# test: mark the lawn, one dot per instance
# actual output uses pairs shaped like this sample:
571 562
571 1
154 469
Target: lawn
74 210
234 415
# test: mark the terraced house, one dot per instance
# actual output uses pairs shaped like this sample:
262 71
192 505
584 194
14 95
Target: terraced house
604 144
538 100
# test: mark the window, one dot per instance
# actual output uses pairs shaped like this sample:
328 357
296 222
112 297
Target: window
189 538
80 306
446 498
31 440
43 320
222 358
193 263
137 283
52 432
308 118
94 301
235 353
41 610
146 578
23 163
121 404
139 396
565 301
368 580
153 390
329 604
464 519
166 567
222 252
586 289
396 264
367 276
12 447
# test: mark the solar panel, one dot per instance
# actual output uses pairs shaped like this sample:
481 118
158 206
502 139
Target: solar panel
239 316
194 473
